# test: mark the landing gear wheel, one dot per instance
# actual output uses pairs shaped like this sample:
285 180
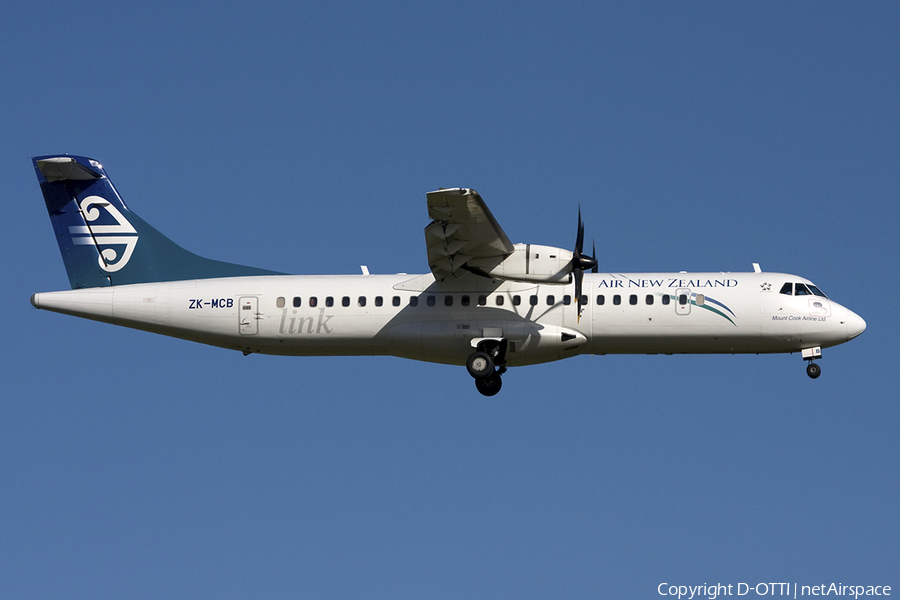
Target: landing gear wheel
490 385
813 370
480 365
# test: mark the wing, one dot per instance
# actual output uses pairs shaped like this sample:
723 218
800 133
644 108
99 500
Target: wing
462 234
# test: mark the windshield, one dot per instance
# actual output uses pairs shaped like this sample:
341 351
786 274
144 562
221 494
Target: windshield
816 291
801 289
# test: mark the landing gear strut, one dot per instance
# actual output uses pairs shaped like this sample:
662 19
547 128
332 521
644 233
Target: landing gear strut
486 365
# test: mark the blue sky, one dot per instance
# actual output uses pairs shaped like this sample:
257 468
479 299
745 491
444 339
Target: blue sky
302 138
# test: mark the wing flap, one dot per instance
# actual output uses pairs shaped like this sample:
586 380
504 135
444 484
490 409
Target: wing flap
462 229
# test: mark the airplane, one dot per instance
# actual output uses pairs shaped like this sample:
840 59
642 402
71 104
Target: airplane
488 304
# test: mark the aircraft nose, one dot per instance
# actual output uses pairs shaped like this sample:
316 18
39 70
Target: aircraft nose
855 325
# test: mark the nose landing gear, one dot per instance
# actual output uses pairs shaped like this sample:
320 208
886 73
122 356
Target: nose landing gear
810 354
813 369
487 364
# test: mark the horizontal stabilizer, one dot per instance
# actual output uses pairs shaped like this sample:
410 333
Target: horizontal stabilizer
66 168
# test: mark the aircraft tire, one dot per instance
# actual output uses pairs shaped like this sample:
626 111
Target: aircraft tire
490 385
813 370
480 365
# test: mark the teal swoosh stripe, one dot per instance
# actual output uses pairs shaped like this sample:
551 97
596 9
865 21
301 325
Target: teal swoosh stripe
708 299
711 309
715 310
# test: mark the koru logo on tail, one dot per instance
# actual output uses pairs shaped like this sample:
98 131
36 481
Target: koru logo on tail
106 235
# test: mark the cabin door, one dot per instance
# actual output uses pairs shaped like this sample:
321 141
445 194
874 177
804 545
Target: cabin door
683 301
248 315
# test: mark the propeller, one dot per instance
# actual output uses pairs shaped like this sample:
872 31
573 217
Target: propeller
581 262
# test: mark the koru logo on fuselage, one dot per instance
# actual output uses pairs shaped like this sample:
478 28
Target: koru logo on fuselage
102 236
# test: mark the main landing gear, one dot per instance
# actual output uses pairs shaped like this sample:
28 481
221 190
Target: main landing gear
486 365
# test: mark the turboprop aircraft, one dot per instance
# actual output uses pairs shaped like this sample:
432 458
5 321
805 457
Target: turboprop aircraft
487 303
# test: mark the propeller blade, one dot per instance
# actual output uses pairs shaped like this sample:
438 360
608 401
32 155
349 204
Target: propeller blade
580 263
579 278
594 256
579 239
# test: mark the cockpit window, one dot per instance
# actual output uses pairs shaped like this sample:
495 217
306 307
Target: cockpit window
817 291
801 289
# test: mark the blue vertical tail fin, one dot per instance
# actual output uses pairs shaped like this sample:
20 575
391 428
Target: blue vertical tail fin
102 242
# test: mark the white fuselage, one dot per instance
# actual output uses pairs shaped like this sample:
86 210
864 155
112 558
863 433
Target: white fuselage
413 316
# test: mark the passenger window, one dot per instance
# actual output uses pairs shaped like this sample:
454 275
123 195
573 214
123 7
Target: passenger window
429 300
448 300
649 299
329 301
464 300
567 300
787 289
700 299
395 301
499 300
413 300
482 300
551 300
517 300
682 299
617 299
296 301
533 300
601 300
666 299
279 302
313 301
583 300
379 301
345 301
800 289
632 299
361 301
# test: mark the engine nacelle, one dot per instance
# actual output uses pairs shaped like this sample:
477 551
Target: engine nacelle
532 263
